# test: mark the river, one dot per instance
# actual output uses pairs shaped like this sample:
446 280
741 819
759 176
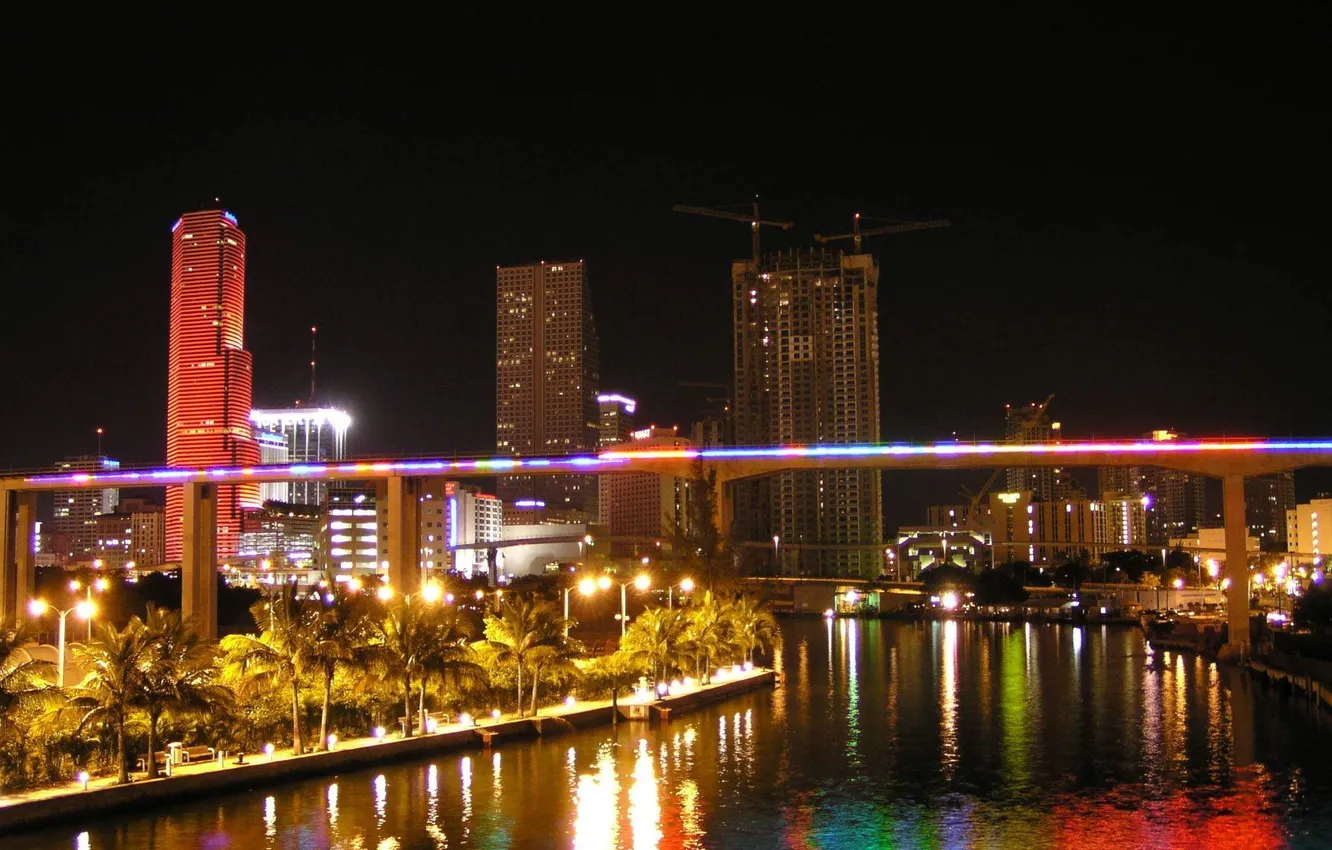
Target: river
882 734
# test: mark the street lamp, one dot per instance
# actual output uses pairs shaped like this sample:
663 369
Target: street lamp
686 586
84 609
1179 585
776 554
642 582
587 587
100 585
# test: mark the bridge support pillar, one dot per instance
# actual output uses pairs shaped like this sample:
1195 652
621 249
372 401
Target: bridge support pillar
18 528
198 557
1237 565
402 537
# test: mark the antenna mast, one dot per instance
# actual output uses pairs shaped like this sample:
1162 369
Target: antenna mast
314 330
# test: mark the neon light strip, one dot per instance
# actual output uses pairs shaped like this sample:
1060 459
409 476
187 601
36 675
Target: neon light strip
611 459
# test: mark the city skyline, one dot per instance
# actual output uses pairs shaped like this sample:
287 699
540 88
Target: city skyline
1097 250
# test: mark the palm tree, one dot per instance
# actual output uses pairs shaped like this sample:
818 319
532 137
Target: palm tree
282 654
708 632
22 685
752 626
340 634
616 671
406 643
107 694
452 662
521 625
557 657
177 674
653 640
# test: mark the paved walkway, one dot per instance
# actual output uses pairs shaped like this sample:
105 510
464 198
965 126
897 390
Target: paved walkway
283 754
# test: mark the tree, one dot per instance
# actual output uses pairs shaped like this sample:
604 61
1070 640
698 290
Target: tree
107 694
453 663
339 636
553 658
996 587
946 577
653 641
613 672
752 626
282 655
1314 609
177 674
707 633
520 625
22 685
698 542
1075 569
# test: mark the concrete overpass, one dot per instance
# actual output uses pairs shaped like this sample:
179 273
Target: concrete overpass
400 482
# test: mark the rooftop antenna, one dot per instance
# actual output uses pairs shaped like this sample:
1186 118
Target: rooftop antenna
314 330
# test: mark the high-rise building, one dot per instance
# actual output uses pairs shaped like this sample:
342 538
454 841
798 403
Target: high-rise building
1126 520
1303 539
1023 529
1267 498
473 517
1031 424
284 534
312 435
807 371
272 451
616 419
350 533
74 511
547 378
1174 502
209 372
645 505
130 537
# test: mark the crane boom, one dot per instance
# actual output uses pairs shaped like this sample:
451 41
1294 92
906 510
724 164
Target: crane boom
896 227
753 221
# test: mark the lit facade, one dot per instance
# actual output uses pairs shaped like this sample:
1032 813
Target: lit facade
313 435
1125 519
350 533
286 535
807 371
273 450
471 517
1209 543
547 377
74 512
131 537
1023 529
616 418
209 372
1305 539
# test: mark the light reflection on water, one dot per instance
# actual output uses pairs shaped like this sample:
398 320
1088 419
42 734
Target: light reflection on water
881 734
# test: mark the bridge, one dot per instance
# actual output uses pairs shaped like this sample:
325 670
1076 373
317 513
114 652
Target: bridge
401 483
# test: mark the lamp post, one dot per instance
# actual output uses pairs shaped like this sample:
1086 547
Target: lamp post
776 554
84 609
686 586
642 582
587 587
99 585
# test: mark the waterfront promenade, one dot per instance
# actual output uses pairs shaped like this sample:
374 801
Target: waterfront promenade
47 805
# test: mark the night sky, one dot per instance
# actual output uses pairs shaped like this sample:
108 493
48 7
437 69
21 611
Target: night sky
1140 214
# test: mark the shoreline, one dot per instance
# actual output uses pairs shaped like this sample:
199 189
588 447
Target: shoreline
43 807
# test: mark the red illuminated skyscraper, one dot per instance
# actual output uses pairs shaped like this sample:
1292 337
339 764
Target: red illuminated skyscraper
209 376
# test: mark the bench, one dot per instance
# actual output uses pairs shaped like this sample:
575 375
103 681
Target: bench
159 757
193 754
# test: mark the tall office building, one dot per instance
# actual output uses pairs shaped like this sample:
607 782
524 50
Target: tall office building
547 378
807 371
209 372
616 419
272 451
73 511
312 435
644 505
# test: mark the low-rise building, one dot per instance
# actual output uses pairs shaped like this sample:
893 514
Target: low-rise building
1304 541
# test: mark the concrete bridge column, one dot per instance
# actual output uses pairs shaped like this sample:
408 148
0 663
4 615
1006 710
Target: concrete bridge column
1237 565
402 537
18 527
198 558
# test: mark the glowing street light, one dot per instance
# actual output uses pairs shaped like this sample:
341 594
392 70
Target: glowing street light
385 593
98 584
640 582
84 609
686 586
587 587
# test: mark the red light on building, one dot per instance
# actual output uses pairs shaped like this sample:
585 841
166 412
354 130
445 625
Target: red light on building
209 373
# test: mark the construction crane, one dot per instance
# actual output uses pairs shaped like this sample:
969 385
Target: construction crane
892 226
973 514
754 220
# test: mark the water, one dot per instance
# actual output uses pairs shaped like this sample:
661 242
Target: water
883 735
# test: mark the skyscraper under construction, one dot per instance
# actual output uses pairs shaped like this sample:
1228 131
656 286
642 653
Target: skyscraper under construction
807 371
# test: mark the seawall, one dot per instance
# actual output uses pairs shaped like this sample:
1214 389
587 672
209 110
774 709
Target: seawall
77 804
